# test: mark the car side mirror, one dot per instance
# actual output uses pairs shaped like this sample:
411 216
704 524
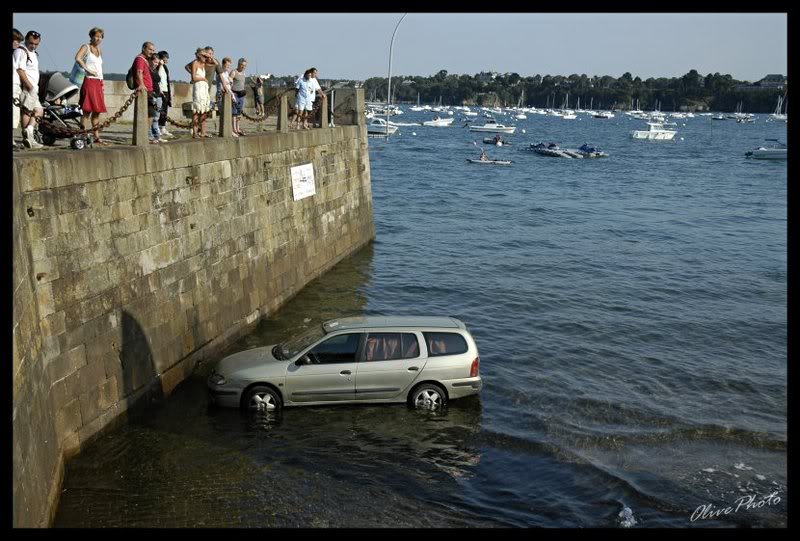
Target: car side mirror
302 361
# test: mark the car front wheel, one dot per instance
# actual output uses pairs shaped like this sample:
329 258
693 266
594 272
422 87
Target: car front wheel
262 398
428 396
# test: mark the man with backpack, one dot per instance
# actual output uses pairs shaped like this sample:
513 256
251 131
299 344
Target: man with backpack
26 64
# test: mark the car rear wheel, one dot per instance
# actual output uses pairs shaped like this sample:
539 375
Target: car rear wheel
262 398
428 396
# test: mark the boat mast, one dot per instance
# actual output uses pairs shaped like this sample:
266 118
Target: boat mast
389 88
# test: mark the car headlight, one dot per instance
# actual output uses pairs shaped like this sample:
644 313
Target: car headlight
217 379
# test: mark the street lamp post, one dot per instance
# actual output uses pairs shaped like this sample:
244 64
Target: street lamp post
389 88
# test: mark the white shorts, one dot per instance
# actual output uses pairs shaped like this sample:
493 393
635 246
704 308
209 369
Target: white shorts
30 100
201 99
303 105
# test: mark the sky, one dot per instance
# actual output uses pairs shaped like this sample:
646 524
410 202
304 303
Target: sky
356 45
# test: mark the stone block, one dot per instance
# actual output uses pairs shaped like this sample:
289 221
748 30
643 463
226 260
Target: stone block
67 363
31 174
68 418
54 324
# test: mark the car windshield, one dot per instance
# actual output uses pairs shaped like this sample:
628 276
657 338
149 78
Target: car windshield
298 343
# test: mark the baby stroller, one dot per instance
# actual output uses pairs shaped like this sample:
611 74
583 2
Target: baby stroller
54 91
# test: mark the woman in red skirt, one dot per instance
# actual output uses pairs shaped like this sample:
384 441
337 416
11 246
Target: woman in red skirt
92 100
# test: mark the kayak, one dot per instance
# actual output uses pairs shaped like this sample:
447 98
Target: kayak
490 162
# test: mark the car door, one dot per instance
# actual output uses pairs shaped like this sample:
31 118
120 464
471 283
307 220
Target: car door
388 364
331 374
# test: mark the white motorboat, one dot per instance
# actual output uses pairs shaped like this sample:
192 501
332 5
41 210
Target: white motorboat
604 114
492 126
521 116
656 132
777 151
378 126
438 122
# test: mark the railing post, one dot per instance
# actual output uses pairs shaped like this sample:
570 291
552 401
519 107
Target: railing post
283 114
226 116
323 112
140 121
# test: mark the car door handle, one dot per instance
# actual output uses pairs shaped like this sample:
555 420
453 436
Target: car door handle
345 373
413 369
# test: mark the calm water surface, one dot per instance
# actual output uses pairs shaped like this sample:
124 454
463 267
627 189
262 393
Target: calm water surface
631 318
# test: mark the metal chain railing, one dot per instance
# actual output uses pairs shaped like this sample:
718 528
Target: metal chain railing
271 109
63 131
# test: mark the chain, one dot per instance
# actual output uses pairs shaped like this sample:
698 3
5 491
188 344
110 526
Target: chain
181 124
62 131
268 109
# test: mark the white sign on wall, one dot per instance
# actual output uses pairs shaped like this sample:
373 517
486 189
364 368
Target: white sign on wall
303 181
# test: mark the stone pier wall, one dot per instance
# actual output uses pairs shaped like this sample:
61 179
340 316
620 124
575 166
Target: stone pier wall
131 264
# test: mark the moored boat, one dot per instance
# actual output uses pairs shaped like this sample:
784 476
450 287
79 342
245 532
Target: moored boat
777 151
493 127
656 132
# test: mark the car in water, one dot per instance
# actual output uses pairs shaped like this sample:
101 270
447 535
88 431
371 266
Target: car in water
423 361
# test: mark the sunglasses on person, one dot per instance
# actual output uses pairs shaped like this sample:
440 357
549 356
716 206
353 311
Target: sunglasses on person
34 34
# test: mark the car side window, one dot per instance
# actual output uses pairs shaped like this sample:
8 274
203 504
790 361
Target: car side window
337 349
387 346
445 343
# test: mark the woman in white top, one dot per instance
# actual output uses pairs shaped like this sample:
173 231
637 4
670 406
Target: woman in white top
201 99
92 102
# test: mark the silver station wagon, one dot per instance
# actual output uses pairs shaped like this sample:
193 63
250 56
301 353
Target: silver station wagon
424 361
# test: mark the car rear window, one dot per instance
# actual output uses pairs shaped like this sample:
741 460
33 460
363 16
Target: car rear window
445 343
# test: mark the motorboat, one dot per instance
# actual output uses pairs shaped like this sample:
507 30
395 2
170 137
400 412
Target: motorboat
777 151
497 141
378 126
590 151
604 114
585 151
521 116
492 126
656 132
437 121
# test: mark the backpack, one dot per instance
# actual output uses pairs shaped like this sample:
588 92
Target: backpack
130 79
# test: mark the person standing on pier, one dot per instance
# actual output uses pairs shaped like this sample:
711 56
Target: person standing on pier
238 80
201 100
92 99
166 93
26 64
16 89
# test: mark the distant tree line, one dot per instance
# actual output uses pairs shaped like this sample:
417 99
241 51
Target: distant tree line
692 91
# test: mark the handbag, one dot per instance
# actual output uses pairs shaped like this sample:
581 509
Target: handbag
77 74
240 93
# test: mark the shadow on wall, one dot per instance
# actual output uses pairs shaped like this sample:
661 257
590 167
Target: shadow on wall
136 358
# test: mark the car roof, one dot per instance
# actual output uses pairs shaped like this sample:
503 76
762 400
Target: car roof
362 322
